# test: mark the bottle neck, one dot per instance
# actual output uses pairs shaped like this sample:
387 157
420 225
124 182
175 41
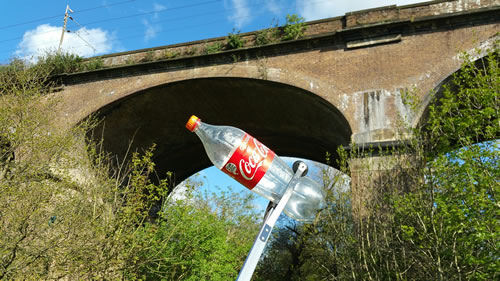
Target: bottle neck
193 123
204 131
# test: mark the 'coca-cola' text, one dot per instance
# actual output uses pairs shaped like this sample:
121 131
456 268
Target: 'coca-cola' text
249 162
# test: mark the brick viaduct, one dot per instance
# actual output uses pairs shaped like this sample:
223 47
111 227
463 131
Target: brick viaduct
343 81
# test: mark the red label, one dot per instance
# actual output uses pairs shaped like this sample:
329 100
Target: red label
249 162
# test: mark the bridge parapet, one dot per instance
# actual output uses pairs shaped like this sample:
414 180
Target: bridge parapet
351 20
414 11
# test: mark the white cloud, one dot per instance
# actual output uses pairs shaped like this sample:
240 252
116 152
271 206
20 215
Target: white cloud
158 8
180 192
275 6
318 9
241 16
312 10
83 42
151 30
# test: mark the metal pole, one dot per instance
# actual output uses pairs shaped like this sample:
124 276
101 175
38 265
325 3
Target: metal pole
64 28
269 222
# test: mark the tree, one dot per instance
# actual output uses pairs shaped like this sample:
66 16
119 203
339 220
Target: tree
436 216
450 226
213 234
67 212
282 259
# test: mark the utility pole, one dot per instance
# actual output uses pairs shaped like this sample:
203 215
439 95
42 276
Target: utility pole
66 15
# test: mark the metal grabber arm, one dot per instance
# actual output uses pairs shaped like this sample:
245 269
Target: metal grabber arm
270 219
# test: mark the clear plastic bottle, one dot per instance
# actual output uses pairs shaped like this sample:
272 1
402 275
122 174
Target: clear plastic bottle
258 168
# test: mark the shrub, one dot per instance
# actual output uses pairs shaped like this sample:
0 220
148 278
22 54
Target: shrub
234 40
294 27
171 54
191 51
212 48
59 63
269 35
93 64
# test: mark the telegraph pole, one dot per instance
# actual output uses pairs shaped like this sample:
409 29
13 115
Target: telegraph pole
66 15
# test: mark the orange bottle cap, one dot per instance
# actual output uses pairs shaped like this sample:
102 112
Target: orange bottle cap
192 123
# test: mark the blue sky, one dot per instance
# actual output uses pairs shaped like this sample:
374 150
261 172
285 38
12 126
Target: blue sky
212 180
29 28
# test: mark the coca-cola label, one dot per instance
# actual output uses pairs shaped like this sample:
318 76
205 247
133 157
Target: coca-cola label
249 162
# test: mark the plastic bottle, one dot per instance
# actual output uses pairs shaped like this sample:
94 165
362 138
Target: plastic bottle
258 168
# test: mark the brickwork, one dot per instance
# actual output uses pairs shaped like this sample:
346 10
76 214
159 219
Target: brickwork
347 82
415 11
315 28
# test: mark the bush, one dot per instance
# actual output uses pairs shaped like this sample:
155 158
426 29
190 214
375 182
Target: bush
191 51
212 48
59 63
171 54
294 27
234 40
93 64
200 237
431 209
269 35
68 213
264 37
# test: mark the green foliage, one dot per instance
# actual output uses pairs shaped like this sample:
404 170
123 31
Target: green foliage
236 58
294 27
470 104
150 56
450 227
212 48
130 60
234 40
60 63
171 54
191 51
285 257
268 36
68 213
20 79
427 210
93 64
264 37
213 234
55 63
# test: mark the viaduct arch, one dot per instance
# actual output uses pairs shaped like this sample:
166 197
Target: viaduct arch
290 120
342 82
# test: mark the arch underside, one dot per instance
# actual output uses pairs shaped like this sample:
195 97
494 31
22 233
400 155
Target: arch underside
291 121
487 48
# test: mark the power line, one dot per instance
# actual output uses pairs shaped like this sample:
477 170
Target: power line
155 22
125 39
152 12
170 29
76 33
103 6
117 18
57 16
135 26
132 36
88 44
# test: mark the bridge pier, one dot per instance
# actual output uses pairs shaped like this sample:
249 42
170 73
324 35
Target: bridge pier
377 174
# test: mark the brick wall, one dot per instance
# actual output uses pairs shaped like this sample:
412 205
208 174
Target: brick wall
379 15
